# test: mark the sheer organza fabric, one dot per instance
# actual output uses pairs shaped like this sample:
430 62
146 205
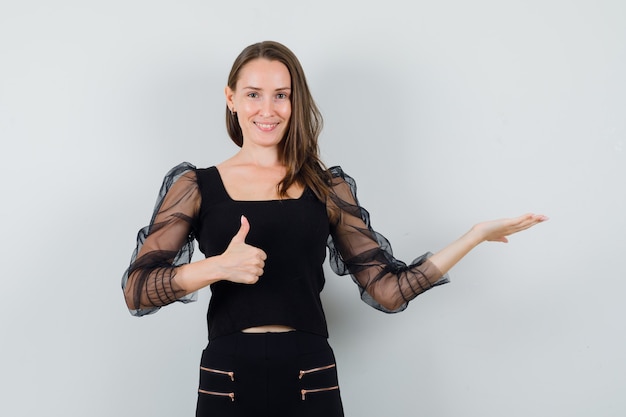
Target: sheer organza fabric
354 248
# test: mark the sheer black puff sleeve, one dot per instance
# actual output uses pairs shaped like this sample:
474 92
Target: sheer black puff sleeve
386 283
166 243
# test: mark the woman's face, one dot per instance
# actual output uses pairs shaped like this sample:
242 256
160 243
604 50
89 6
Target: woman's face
262 100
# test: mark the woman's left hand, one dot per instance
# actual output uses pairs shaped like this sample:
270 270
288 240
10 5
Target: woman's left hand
498 230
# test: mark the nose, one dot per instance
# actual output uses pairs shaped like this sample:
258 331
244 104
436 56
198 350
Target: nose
267 108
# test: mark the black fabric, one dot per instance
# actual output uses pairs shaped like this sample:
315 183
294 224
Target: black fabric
167 242
292 233
269 375
386 283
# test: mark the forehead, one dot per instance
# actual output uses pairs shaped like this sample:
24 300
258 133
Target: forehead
264 73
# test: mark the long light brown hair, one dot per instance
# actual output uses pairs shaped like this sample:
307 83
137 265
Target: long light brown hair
299 149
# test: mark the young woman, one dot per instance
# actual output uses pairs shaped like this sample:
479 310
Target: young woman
264 219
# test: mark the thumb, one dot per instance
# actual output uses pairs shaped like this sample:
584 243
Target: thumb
240 237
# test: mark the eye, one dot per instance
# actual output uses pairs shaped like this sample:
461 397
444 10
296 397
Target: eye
253 94
282 96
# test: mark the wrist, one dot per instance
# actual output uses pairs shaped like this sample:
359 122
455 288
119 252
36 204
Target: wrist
474 237
200 274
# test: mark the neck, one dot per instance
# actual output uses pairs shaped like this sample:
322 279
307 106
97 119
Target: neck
261 157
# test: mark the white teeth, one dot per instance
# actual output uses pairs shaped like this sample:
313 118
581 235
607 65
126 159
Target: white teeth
265 126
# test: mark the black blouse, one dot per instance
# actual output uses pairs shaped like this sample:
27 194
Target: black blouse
354 248
292 232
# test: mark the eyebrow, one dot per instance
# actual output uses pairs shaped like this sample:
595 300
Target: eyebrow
259 88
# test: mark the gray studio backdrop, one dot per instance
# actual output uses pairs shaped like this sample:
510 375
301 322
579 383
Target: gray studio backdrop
446 113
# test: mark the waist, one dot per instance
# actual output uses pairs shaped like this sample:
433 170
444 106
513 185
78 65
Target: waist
268 345
270 328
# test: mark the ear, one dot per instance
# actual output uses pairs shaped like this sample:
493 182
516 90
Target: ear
229 93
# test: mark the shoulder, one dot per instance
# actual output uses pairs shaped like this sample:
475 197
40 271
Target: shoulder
342 196
180 176
336 171
180 169
340 179
204 175
189 171
179 186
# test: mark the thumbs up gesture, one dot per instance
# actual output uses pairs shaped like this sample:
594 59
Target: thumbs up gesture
241 262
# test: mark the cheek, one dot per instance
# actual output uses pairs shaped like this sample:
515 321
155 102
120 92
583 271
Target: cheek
248 106
285 110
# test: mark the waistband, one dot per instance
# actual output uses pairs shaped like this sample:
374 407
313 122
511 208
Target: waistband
269 345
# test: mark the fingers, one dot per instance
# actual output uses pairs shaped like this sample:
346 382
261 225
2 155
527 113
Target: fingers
250 266
535 218
523 222
498 230
241 235
243 263
529 220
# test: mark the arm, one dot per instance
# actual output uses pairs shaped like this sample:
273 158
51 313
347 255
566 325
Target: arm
163 245
385 282
494 231
161 270
240 263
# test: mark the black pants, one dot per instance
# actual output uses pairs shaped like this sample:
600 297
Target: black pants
291 374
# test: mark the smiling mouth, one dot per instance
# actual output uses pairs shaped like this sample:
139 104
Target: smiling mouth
266 126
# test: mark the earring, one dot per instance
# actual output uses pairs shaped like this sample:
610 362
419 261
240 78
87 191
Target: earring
232 112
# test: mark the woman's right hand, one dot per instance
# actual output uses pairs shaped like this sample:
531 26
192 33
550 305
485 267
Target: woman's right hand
241 262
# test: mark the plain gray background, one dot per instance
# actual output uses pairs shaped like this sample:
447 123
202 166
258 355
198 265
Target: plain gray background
446 113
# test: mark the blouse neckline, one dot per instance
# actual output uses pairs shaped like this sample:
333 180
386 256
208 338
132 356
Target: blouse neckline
221 182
